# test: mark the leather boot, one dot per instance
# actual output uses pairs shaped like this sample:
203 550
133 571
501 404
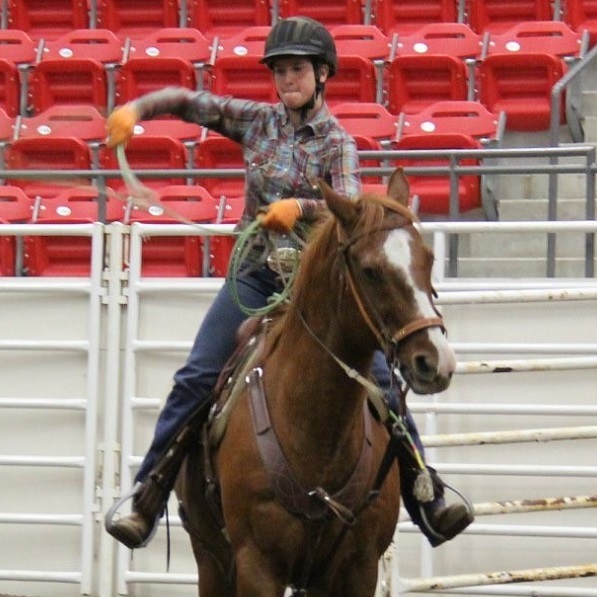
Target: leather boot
438 522
149 497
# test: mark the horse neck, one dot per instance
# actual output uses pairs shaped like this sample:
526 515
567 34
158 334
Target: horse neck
313 388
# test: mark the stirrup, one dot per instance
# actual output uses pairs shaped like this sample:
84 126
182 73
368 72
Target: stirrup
110 523
437 538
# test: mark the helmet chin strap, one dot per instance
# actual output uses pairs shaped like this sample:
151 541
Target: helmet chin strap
319 89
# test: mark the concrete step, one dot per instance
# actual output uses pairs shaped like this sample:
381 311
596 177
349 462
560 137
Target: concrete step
471 267
520 245
536 209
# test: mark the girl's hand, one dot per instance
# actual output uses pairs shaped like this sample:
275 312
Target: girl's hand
281 216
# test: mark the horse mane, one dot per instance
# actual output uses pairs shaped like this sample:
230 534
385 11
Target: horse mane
323 240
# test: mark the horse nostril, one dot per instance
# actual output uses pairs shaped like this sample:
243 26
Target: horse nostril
425 367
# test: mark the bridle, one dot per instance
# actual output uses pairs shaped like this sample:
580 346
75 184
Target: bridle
388 342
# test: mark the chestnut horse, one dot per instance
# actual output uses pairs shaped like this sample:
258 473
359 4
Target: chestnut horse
317 517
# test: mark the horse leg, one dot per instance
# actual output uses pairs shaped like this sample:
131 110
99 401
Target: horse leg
253 576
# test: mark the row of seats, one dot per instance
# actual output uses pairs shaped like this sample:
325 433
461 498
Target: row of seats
443 61
72 137
71 255
135 18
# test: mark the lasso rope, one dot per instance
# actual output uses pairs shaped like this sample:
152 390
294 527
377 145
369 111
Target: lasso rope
144 197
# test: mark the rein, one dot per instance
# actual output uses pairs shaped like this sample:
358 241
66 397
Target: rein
387 343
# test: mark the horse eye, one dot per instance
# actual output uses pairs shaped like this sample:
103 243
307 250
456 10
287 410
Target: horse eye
371 274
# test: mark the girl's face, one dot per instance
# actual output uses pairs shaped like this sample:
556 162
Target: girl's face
294 78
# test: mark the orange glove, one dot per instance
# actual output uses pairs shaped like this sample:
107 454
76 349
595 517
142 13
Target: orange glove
121 124
282 215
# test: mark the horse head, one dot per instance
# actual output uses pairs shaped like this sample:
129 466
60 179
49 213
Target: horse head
388 272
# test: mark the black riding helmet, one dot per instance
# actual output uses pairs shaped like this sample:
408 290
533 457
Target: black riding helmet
301 36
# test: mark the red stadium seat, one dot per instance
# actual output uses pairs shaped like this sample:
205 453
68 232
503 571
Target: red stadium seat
173 42
581 15
520 85
68 255
53 154
215 152
66 120
81 203
367 119
363 40
10 88
466 117
243 77
99 44
215 18
149 152
455 39
7 133
72 81
41 19
136 18
17 46
433 191
554 37
142 75
175 256
496 16
415 82
406 16
249 41
329 12
230 211
355 81
15 206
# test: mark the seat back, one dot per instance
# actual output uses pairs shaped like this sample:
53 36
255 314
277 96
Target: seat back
66 120
17 46
499 15
98 44
328 12
369 119
82 204
362 40
454 39
415 82
176 256
72 81
581 15
139 76
243 77
467 117
520 85
217 152
148 152
136 18
53 154
173 42
555 37
10 87
406 16
225 19
15 205
434 191
47 20
355 81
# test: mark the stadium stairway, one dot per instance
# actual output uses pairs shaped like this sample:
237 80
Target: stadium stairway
524 198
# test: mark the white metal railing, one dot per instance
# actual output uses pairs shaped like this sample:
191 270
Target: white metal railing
122 292
90 347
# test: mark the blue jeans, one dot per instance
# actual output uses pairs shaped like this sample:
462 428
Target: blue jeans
213 346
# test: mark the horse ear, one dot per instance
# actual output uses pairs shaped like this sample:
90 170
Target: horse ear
398 188
342 207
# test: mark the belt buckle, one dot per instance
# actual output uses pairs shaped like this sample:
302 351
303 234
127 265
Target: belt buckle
283 260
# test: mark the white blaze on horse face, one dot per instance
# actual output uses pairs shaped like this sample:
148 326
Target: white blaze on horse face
397 248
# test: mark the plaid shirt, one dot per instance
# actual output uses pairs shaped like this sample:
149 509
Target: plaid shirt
281 161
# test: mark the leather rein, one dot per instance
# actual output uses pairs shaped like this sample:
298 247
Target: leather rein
388 343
